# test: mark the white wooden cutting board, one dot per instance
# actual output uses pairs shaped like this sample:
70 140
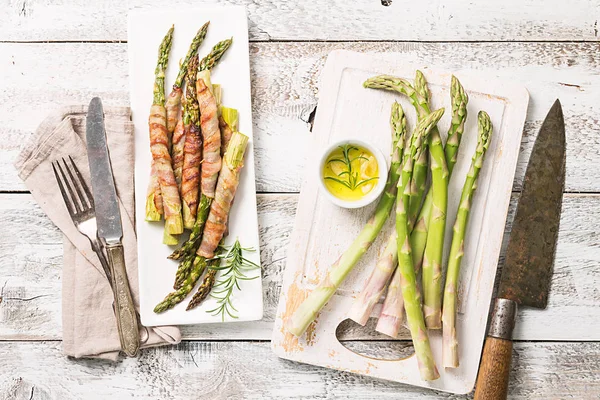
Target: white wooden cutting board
322 230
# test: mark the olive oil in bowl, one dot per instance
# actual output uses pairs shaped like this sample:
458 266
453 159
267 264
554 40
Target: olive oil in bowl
351 172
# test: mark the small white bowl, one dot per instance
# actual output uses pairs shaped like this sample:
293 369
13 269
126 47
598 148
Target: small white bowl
374 193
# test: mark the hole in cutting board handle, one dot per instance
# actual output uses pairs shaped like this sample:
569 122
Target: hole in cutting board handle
367 342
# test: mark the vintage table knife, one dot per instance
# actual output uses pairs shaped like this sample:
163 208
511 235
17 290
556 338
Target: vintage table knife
527 271
110 230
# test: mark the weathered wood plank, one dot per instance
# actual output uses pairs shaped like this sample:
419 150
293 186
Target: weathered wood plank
40 77
63 20
31 257
226 370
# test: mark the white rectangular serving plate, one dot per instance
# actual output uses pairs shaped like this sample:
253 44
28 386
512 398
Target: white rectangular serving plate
146 29
323 231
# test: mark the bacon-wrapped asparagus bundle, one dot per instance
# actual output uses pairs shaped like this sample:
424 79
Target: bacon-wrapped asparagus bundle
154 204
189 248
229 179
228 182
190 178
174 99
159 147
208 107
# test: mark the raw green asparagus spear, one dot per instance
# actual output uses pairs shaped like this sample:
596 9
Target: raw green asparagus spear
317 299
174 99
450 339
414 314
459 114
419 177
386 264
432 261
459 100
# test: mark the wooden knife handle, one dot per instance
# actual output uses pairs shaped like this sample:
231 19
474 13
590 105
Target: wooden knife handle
127 322
492 379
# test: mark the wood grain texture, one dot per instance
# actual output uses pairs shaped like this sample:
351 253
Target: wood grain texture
249 370
31 259
321 20
494 371
284 88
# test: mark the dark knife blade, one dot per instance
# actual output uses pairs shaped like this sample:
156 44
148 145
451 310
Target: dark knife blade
529 259
108 216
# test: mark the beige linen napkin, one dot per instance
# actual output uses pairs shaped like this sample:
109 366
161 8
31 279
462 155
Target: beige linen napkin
89 324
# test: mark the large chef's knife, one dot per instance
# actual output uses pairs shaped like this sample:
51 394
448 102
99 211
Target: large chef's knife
110 230
528 266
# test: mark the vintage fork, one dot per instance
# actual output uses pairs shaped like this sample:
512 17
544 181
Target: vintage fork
80 204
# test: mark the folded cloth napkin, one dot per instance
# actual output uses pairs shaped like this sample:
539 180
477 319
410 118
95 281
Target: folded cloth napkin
89 324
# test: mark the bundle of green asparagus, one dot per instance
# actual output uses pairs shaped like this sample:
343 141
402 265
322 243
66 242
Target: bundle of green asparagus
418 240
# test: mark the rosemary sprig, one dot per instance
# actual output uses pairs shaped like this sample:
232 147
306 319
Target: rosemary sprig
233 271
351 182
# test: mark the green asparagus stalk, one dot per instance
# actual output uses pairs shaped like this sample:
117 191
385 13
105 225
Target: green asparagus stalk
432 261
414 314
419 178
459 100
386 264
450 339
161 67
390 318
459 114
209 62
317 299
174 99
176 297
204 289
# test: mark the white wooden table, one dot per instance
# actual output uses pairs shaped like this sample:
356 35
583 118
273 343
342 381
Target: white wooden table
70 50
